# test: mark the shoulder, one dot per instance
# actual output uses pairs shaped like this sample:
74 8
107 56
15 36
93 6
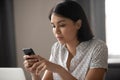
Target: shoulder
99 49
99 54
98 43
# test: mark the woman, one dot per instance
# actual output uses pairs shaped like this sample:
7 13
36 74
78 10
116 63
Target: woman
76 55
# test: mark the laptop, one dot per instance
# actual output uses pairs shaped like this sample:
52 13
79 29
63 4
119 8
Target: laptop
12 74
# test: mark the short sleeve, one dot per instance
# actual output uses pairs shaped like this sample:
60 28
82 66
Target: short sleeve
99 56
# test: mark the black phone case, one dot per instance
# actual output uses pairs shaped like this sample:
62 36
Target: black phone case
28 51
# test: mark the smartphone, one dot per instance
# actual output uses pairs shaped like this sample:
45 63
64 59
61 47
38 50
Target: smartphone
28 51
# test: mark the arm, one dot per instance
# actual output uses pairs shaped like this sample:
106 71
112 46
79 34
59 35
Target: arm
51 67
42 65
93 74
47 75
98 65
35 77
96 74
65 75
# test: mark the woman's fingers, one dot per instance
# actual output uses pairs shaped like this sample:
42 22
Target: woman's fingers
35 63
37 57
30 62
25 57
41 68
34 66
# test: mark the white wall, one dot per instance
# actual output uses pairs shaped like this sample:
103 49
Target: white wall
33 27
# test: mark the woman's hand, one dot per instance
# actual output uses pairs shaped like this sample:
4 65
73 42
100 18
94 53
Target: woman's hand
43 65
36 64
28 62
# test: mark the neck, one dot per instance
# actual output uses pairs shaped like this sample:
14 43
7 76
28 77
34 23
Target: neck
71 46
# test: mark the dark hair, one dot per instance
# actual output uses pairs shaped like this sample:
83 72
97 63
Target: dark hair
73 11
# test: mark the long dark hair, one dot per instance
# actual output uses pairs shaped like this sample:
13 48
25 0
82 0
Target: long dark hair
73 11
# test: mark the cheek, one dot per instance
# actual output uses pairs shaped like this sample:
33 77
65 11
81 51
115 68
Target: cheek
72 30
70 33
53 31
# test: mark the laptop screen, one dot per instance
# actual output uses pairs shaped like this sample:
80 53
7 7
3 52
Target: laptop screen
12 74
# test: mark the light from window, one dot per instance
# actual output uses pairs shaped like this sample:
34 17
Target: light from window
112 8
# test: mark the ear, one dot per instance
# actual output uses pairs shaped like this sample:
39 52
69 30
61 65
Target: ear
78 24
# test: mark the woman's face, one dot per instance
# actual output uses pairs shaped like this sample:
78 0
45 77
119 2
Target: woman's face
64 29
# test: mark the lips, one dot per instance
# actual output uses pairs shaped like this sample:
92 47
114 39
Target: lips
59 37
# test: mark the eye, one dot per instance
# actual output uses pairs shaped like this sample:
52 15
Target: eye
62 25
53 25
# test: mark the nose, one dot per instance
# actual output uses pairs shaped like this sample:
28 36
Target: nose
57 30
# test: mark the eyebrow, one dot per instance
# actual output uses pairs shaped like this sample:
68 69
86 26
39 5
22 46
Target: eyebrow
59 21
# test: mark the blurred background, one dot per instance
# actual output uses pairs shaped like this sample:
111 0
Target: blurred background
25 24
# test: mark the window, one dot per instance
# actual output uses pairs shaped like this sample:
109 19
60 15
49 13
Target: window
112 9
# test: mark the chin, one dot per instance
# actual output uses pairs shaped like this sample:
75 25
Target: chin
61 42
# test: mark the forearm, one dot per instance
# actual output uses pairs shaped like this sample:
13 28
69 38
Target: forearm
65 74
35 77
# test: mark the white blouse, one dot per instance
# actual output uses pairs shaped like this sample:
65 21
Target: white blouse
89 54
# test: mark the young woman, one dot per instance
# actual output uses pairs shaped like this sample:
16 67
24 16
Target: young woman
77 55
